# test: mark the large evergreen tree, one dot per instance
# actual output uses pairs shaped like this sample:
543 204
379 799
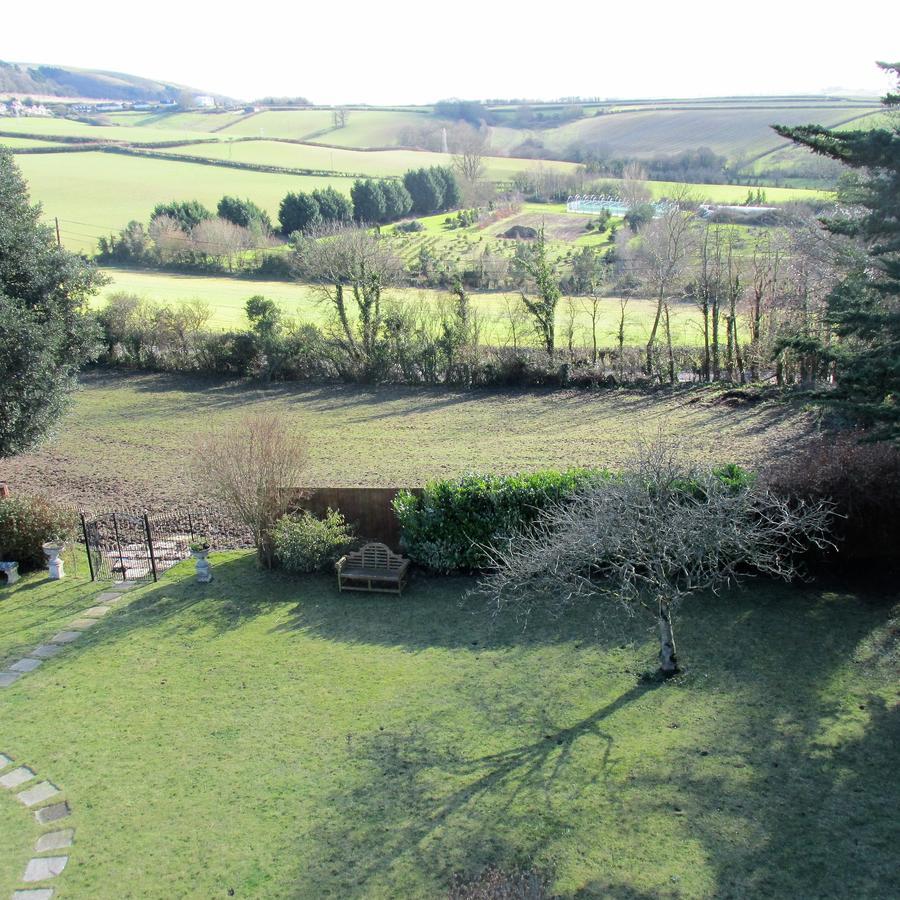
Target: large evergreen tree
334 207
864 307
299 212
368 201
46 332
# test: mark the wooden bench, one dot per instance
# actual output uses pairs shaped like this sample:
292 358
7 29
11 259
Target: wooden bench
372 568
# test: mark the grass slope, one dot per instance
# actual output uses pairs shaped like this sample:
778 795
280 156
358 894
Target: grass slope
729 132
374 163
143 427
268 737
97 193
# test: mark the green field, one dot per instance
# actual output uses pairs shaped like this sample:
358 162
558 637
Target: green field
264 736
69 128
142 428
375 163
226 298
96 194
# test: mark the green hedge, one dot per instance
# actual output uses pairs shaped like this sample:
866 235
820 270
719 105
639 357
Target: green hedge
451 523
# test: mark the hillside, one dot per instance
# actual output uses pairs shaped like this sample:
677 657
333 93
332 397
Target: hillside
65 81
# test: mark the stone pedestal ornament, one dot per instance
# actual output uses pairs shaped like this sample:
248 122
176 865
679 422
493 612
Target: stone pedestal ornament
52 551
9 572
203 568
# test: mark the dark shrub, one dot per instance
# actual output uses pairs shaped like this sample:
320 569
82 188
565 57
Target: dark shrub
26 523
863 480
452 523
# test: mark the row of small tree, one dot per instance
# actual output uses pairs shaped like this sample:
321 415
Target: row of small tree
372 201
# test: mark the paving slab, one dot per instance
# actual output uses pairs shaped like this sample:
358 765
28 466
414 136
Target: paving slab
124 586
33 894
16 777
109 597
65 637
55 840
4 761
25 665
45 651
95 612
37 794
8 678
82 624
47 814
40 868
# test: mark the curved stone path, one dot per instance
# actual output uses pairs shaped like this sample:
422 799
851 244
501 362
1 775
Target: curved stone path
40 796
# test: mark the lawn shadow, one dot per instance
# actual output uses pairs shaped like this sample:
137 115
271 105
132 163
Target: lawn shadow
392 822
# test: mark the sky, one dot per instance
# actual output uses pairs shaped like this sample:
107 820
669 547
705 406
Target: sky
396 52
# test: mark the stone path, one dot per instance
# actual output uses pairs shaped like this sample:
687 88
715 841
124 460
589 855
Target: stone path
36 795
106 601
40 796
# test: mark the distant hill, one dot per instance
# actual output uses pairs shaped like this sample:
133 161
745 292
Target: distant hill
64 81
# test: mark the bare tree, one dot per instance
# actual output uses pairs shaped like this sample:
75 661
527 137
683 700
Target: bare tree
252 467
664 253
649 538
470 145
515 316
633 188
339 117
351 268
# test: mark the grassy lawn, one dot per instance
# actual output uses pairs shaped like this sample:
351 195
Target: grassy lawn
267 737
143 429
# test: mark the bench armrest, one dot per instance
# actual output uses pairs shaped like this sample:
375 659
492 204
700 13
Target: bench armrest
340 564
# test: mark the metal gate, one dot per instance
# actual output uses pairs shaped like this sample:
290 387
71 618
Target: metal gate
140 546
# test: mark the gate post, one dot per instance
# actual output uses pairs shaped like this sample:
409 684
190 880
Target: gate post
119 545
87 545
150 546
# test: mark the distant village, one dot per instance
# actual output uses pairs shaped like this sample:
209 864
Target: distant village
27 107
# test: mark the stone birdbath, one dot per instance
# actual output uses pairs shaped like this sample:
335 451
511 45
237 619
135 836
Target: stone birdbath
52 550
200 552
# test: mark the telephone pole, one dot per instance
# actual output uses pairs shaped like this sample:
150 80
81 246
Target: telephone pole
58 241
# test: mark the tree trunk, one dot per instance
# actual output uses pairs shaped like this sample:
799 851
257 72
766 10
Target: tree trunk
668 662
669 350
652 340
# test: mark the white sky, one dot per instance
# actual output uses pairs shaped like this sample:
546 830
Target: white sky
399 51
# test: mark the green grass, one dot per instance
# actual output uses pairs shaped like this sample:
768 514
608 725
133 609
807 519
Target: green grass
96 194
128 441
374 163
226 298
269 737
15 143
70 128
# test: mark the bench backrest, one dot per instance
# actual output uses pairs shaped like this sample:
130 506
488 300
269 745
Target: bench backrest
375 556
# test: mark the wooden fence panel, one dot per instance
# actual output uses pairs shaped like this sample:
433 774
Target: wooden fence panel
368 509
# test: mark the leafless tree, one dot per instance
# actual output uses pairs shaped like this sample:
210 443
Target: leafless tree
168 237
649 538
518 323
664 254
351 268
633 188
220 239
339 117
470 145
252 467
